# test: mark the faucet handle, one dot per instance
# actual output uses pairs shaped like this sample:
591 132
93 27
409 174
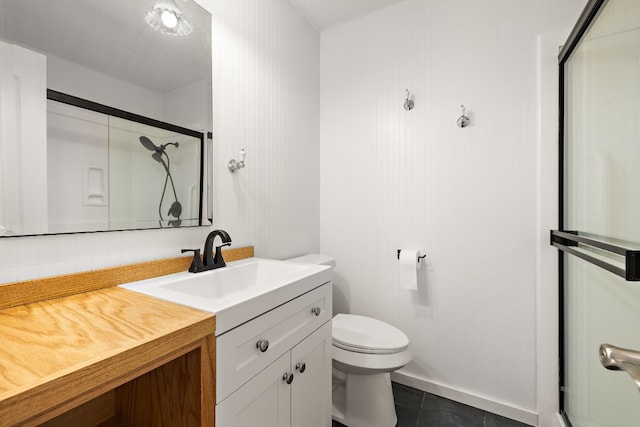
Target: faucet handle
196 263
218 260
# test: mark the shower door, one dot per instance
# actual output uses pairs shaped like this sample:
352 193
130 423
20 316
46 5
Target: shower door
600 217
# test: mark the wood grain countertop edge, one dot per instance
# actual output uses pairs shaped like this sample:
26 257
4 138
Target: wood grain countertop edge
68 387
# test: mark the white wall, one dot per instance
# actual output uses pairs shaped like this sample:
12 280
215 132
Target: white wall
77 142
83 82
547 297
467 198
188 106
266 99
23 156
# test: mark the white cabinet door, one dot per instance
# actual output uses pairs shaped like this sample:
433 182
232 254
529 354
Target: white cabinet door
311 388
238 358
263 401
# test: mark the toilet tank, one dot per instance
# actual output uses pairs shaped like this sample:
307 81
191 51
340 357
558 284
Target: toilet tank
318 259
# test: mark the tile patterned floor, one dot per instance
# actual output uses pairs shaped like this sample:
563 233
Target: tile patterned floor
416 408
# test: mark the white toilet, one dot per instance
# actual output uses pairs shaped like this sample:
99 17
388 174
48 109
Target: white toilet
365 351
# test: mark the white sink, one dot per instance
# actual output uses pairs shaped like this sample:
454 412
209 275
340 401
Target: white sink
238 292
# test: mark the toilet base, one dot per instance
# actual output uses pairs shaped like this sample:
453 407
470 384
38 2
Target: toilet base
363 400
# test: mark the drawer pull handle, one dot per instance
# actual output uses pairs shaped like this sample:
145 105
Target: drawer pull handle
301 367
287 377
316 311
263 345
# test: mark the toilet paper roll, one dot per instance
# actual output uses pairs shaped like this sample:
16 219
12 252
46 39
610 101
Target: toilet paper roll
409 267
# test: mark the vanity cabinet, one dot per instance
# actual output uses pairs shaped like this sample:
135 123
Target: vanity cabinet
275 370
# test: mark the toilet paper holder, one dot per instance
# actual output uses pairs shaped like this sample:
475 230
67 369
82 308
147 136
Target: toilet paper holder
420 258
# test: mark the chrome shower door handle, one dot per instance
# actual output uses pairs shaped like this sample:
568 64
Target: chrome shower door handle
621 359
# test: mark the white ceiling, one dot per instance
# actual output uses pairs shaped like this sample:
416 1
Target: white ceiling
326 13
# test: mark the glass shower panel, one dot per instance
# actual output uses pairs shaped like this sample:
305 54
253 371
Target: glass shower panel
602 197
153 183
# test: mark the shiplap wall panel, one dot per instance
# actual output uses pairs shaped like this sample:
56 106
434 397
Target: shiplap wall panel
394 179
267 101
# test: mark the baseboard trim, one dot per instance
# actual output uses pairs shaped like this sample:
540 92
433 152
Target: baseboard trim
515 413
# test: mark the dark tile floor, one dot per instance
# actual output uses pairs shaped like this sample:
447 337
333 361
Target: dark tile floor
416 408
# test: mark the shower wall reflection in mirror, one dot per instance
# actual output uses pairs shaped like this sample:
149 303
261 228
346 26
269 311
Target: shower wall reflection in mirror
126 174
67 167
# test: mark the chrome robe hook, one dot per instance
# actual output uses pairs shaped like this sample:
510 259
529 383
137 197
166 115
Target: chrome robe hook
408 103
463 120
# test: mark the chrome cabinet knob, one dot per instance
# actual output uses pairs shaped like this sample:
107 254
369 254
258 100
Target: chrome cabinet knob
262 345
287 377
301 367
316 311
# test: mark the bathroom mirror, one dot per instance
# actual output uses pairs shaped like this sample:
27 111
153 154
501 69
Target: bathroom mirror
119 56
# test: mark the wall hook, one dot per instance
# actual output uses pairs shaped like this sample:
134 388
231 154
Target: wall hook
239 164
463 120
408 103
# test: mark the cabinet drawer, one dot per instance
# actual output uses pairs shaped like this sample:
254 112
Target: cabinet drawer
238 356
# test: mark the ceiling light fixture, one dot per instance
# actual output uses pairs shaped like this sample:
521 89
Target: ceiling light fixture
169 19
166 17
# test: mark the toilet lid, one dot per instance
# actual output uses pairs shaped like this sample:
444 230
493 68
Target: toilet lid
366 335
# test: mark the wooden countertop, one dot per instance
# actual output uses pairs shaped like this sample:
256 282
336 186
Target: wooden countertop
57 354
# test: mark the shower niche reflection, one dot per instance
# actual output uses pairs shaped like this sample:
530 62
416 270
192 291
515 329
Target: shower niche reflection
108 169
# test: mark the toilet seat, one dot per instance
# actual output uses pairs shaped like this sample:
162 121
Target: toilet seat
361 334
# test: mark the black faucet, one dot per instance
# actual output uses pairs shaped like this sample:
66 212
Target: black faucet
209 261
